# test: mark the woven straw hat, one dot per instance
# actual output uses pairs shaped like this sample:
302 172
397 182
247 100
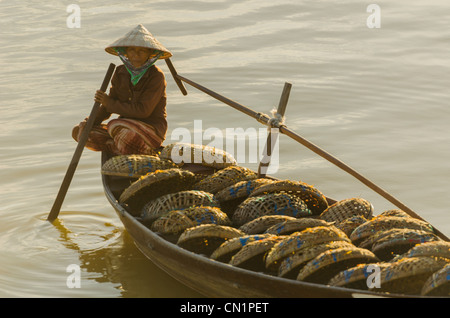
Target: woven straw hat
399 241
345 209
438 284
261 224
177 221
386 223
328 264
135 166
139 37
315 200
198 154
156 184
408 275
295 225
356 277
206 238
299 241
225 251
270 204
176 201
292 264
252 255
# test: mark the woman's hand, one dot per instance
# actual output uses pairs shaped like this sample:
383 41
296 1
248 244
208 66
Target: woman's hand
101 97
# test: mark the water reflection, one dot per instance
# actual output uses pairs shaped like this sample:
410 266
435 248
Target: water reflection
118 261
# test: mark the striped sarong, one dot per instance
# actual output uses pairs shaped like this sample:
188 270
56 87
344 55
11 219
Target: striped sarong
121 137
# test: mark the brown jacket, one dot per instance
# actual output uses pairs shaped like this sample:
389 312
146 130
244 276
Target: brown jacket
146 101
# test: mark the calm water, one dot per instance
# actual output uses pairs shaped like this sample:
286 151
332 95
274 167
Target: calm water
375 98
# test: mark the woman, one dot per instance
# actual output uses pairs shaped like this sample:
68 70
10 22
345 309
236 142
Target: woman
137 95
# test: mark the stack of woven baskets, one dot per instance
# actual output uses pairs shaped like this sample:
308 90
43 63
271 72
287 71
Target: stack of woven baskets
283 227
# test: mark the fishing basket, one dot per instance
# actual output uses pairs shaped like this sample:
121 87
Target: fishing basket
232 196
229 248
176 201
252 255
154 185
438 284
329 263
183 153
313 198
399 241
206 238
356 277
342 210
262 223
434 248
176 221
383 223
408 275
291 265
295 225
270 204
225 178
135 166
299 241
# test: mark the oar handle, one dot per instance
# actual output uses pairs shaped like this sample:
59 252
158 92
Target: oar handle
175 77
79 150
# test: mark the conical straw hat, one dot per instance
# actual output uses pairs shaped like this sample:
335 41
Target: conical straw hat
139 37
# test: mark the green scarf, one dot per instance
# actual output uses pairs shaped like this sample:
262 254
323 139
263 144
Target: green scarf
136 73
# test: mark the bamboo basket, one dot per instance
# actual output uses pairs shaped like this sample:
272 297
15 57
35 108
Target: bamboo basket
329 263
313 198
206 238
154 185
176 201
182 153
262 223
356 277
270 204
346 209
438 284
135 166
295 225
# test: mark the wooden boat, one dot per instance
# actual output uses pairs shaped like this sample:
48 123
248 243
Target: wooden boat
216 279
210 277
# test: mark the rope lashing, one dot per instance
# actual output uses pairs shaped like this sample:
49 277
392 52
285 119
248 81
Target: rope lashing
276 121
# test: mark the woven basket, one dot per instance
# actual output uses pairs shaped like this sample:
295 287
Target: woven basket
225 178
299 241
356 277
229 248
386 223
291 265
408 275
261 224
315 200
435 248
252 255
177 221
176 201
350 224
399 241
198 154
154 185
438 284
394 212
232 196
270 204
295 225
206 238
348 208
135 166
328 264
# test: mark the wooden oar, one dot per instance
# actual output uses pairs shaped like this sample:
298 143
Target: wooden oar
264 119
78 151
175 76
